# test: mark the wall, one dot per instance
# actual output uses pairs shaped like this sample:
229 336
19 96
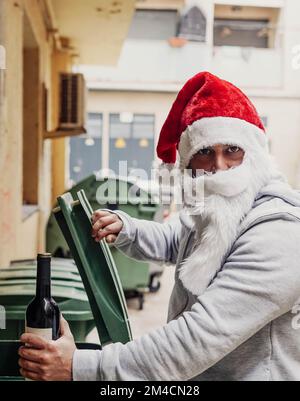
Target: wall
23 235
11 169
283 128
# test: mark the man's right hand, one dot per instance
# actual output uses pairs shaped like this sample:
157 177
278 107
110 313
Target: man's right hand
106 225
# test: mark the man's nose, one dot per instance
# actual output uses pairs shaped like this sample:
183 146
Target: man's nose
220 163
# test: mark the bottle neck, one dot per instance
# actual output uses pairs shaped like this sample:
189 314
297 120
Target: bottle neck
43 282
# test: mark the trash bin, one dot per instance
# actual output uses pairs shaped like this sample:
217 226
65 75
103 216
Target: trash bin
18 286
135 276
77 313
99 276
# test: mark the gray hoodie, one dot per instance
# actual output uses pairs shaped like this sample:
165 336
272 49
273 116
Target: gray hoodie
243 327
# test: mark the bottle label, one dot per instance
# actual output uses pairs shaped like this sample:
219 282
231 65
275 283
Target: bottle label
46 334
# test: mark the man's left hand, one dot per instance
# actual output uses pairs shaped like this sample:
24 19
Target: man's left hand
43 360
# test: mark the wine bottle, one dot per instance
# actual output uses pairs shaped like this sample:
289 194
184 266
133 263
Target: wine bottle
42 314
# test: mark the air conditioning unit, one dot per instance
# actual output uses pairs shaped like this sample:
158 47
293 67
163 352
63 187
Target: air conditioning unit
72 111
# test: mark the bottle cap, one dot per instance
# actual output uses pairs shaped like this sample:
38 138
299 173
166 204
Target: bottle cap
44 256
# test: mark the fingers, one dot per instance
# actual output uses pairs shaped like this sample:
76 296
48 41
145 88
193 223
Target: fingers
30 375
111 238
106 224
103 222
108 230
99 214
33 341
30 354
30 366
65 328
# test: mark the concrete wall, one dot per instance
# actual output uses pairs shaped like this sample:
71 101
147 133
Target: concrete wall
22 237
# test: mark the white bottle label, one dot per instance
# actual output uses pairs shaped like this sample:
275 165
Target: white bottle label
46 334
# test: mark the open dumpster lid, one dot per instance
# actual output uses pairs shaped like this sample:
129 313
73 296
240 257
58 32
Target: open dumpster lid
96 267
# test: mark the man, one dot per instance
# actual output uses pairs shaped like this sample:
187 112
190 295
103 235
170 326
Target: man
237 277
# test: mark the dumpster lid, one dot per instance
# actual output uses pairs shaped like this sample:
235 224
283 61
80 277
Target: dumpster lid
57 265
31 274
96 267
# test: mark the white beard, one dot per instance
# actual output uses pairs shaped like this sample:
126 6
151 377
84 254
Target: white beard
228 197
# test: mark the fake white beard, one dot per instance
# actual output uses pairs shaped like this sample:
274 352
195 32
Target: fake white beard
228 197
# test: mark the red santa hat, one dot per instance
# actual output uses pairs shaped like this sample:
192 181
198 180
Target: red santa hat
207 111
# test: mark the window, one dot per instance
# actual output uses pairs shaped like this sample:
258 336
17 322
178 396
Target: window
94 125
132 140
246 26
85 150
193 25
119 127
154 24
143 127
244 33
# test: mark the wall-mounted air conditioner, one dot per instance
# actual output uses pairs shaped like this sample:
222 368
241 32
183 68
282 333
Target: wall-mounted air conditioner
72 110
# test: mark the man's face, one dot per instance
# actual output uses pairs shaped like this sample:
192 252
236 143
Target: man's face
217 157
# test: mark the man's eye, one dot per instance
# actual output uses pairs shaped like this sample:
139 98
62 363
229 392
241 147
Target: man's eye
205 151
233 149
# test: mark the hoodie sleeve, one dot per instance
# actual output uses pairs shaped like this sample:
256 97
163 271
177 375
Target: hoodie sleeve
259 282
148 240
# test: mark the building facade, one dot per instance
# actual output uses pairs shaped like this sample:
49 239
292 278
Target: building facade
253 43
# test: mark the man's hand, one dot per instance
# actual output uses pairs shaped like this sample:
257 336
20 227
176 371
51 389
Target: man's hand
106 225
48 360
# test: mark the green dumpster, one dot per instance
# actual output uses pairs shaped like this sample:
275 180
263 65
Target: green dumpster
99 276
96 267
17 288
57 264
113 194
16 296
29 274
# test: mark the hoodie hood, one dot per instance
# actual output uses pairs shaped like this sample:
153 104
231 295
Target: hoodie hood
278 188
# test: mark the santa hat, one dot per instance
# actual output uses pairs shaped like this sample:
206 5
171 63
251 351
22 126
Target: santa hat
207 111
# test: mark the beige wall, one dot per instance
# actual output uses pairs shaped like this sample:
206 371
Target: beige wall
23 237
11 171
